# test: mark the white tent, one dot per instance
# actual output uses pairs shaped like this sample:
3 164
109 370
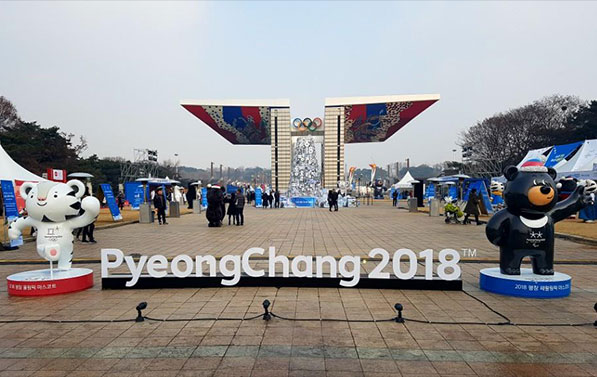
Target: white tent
406 182
10 170
578 160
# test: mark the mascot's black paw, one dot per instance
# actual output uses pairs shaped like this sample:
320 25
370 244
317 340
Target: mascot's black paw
544 271
511 271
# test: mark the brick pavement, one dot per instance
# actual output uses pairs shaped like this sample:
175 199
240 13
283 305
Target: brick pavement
203 347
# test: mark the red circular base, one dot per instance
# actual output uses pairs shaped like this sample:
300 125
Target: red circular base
44 283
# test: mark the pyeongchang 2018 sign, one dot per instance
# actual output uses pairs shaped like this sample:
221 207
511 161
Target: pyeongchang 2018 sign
157 271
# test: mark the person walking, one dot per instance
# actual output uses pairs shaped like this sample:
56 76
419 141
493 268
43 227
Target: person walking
240 206
330 200
472 207
159 202
89 228
277 199
231 212
395 198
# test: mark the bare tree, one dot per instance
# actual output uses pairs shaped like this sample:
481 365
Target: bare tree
8 114
506 137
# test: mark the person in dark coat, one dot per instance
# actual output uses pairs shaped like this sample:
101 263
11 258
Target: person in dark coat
159 203
277 199
240 206
395 198
231 212
335 195
215 199
472 207
265 199
222 203
330 200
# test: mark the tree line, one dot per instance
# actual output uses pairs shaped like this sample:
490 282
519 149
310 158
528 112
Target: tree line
37 149
506 137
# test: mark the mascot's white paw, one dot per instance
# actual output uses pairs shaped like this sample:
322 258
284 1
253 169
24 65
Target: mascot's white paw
590 188
13 234
91 204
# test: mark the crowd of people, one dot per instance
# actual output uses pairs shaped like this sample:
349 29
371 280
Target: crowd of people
217 198
271 199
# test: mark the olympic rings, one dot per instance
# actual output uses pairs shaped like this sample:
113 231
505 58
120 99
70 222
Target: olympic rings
307 124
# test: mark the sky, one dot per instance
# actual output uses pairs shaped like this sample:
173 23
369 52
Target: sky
115 72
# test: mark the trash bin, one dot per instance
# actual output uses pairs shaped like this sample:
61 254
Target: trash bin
412 205
145 213
174 209
434 207
196 206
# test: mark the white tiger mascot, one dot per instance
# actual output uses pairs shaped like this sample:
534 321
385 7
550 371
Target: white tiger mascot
55 210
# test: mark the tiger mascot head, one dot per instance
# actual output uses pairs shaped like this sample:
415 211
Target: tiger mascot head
53 201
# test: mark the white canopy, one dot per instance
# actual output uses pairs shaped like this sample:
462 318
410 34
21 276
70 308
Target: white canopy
576 159
406 182
10 170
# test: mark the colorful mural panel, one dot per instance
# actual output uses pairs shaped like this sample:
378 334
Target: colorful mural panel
238 124
378 121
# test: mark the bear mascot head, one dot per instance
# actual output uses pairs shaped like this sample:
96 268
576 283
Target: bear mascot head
531 191
55 209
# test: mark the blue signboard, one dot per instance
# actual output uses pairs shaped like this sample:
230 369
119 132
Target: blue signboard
204 197
111 201
258 198
137 197
430 192
561 152
304 201
11 211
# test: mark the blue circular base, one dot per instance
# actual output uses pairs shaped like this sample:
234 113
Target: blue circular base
527 284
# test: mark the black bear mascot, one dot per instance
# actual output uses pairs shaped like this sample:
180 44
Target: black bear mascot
525 228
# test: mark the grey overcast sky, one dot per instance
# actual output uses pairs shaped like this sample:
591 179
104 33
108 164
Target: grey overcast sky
115 71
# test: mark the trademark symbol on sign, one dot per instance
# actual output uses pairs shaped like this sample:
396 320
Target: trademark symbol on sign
469 253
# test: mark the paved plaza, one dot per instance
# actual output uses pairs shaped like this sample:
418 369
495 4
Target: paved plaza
192 343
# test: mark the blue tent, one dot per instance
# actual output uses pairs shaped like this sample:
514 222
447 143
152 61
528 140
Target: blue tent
481 186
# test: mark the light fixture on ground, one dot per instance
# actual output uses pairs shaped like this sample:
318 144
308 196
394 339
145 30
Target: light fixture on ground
399 309
141 306
266 315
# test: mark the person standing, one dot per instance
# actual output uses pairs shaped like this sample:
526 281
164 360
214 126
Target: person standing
472 207
120 199
277 199
240 206
159 202
335 195
89 228
231 212
265 199
395 198
330 200
215 200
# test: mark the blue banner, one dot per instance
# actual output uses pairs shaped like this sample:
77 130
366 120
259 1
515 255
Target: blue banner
137 197
304 201
258 198
430 192
561 152
111 201
11 211
204 197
